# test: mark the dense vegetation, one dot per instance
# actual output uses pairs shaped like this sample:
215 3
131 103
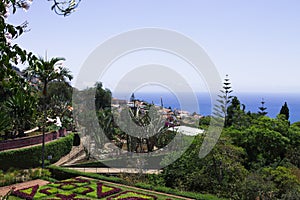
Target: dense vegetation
256 156
25 158
41 91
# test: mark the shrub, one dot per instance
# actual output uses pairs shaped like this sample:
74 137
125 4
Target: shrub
25 158
15 176
61 173
176 192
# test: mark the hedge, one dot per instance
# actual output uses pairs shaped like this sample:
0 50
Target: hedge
63 173
167 190
153 162
31 157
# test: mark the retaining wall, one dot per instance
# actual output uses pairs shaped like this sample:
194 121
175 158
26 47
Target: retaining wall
31 140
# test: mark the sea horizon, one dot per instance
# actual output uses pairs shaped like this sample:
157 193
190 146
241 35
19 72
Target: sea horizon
251 100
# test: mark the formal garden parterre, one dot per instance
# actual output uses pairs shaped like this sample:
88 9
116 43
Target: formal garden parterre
81 188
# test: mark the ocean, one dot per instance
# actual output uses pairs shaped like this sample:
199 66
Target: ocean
252 101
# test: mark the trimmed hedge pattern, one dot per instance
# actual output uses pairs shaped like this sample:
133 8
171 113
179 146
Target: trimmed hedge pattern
84 189
60 172
31 157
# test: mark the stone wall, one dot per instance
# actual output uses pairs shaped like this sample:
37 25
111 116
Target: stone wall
32 140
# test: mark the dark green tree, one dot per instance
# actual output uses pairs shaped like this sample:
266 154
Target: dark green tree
285 111
262 109
235 112
60 102
60 89
220 110
102 97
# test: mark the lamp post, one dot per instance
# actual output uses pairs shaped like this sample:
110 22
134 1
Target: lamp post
44 120
44 124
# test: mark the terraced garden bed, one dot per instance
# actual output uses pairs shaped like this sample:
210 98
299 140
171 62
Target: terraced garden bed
84 188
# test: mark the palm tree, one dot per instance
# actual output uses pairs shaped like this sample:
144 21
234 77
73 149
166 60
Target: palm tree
47 71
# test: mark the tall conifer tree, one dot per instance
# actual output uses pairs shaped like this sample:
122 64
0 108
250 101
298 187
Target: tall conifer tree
220 110
285 111
262 109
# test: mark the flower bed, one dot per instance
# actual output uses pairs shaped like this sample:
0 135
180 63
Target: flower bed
104 191
131 195
26 193
79 188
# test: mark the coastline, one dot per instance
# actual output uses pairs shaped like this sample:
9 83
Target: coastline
251 100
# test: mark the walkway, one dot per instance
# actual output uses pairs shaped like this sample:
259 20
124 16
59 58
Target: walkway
115 170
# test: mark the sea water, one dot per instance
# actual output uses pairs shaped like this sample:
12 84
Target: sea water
273 102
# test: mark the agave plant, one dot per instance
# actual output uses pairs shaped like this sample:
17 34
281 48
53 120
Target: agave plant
4 121
20 110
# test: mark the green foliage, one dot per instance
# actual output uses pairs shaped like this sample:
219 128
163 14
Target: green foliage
285 111
14 89
21 110
293 152
154 179
60 101
168 190
204 122
47 71
264 145
282 177
163 138
255 186
61 173
60 89
236 113
266 140
5 123
30 157
17 94
102 97
220 172
15 176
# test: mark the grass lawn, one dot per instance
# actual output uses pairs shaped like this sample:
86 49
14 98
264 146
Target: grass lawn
85 188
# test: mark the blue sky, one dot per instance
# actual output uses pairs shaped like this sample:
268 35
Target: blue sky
256 42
